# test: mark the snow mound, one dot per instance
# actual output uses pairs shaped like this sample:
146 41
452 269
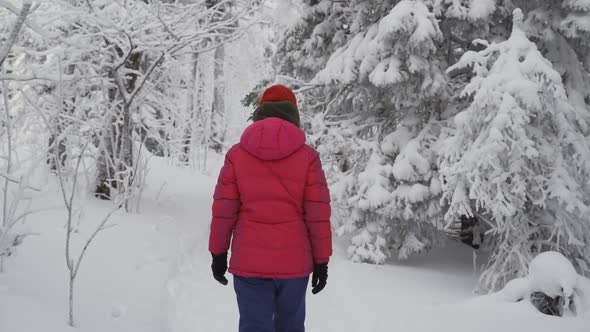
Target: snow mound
515 290
552 281
553 274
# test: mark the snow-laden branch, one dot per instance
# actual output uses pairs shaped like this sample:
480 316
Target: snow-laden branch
17 181
144 79
101 226
26 78
22 16
31 24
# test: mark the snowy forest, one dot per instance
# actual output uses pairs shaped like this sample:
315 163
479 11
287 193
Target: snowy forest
454 135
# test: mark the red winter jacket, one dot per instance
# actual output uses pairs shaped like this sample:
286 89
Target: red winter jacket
272 197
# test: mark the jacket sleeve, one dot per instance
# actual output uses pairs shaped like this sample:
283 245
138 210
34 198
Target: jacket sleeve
317 211
226 206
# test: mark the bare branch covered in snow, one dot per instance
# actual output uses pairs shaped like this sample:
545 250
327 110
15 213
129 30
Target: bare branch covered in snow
22 16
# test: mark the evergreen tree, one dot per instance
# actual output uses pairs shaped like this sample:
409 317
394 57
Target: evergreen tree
519 158
380 108
562 32
384 79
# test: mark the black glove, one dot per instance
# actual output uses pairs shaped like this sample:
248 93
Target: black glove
219 267
319 277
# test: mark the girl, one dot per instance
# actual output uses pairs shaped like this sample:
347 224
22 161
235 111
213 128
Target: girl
272 203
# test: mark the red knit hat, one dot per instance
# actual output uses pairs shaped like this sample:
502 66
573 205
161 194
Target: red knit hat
278 92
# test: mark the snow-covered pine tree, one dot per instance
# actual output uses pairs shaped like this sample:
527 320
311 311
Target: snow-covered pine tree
519 158
561 30
386 73
306 47
345 116
368 140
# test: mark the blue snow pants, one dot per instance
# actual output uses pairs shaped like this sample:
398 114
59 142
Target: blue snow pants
271 305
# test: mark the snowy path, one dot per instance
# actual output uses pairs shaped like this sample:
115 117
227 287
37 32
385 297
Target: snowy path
358 297
150 273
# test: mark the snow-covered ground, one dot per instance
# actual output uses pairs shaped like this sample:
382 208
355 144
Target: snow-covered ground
150 272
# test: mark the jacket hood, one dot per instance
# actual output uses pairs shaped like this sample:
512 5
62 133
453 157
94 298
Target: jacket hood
272 139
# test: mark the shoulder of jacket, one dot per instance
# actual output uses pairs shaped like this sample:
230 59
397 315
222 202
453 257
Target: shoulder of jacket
232 151
311 152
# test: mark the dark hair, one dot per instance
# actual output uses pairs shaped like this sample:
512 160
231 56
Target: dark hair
281 109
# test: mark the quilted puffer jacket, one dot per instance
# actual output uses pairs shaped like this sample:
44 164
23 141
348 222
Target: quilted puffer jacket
272 203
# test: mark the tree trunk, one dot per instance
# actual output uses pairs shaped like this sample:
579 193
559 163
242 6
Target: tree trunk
127 126
202 116
190 126
151 143
115 164
57 148
71 302
218 116
126 153
105 160
57 143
